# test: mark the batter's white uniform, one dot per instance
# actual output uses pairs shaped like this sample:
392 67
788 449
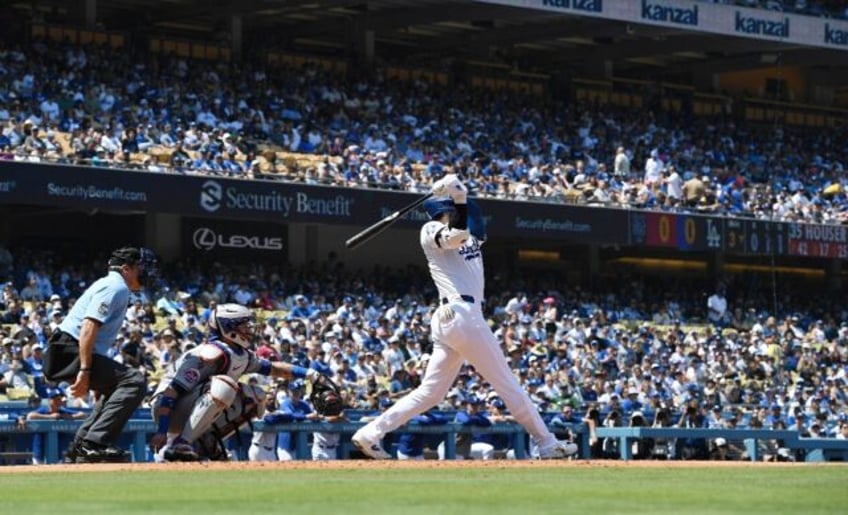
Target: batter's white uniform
456 265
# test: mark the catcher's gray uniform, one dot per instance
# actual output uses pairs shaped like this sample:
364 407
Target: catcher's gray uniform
213 367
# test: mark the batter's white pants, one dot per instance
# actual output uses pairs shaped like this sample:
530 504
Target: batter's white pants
466 337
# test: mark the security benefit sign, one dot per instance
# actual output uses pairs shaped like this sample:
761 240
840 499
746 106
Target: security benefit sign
677 231
233 239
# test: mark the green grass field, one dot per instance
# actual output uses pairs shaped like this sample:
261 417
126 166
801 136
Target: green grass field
489 490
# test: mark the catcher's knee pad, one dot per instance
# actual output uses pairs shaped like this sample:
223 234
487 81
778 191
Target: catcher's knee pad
223 390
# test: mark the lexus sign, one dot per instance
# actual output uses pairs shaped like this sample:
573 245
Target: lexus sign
230 239
207 239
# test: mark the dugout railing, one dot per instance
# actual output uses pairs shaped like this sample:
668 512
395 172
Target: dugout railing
137 433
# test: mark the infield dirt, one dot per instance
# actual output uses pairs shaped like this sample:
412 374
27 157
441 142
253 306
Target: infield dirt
391 464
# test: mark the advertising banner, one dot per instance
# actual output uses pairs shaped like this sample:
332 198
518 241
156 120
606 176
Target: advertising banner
215 238
728 20
216 210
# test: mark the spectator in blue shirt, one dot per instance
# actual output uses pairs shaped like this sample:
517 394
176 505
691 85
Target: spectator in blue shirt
472 446
292 408
411 445
55 410
35 368
302 309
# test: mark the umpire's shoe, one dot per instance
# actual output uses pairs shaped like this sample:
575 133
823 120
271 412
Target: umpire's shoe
72 453
92 452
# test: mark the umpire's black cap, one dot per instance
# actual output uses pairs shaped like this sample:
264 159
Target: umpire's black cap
125 256
143 257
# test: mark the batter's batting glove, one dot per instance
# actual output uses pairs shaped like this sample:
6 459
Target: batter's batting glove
440 189
451 185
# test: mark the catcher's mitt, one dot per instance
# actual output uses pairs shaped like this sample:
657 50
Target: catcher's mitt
326 397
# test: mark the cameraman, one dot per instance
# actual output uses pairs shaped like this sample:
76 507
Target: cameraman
593 420
643 447
693 448
663 448
610 446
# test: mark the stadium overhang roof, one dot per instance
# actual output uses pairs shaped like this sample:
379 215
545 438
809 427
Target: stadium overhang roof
430 31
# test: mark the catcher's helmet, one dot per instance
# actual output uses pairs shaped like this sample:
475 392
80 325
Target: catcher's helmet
233 324
436 207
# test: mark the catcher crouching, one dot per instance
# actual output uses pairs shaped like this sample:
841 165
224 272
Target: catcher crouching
199 402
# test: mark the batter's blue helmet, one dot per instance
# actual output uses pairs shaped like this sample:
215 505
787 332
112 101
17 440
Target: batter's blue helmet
436 207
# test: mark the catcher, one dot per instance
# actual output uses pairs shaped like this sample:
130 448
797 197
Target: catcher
199 402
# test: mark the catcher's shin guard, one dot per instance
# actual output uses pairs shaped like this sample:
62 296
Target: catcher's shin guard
247 405
220 395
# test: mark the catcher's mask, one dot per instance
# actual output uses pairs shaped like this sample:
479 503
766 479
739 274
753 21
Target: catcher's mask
233 324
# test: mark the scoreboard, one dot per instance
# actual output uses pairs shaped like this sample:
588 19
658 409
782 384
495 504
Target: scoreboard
815 240
753 237
741 236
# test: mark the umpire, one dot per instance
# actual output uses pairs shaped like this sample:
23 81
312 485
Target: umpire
78 353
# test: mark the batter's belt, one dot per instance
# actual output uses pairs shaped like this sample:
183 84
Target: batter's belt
465 298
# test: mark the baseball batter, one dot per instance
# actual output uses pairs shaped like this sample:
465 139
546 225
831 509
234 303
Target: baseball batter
452 242
200 396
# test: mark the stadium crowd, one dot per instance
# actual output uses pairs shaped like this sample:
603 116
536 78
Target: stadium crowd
105 107
614 354
611 354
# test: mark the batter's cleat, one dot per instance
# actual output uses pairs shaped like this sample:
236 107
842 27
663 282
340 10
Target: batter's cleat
92 452
180 450
558 451
370 448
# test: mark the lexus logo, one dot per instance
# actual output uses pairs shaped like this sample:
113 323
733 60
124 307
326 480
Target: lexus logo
210 196
204 238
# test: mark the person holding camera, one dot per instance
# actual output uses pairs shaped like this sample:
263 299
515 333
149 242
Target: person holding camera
693 448
593 421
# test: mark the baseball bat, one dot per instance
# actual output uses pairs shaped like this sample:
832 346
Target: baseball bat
373 230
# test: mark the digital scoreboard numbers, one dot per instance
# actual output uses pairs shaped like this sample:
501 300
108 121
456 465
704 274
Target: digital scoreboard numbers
822 241
739 236
749 237
735 239
683 232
